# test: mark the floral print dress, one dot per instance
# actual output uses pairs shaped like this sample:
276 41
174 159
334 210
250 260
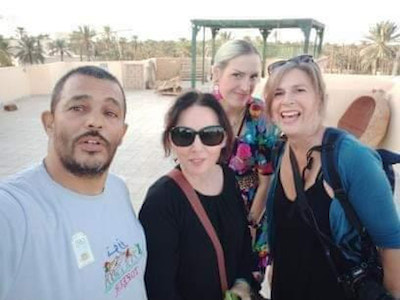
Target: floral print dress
252 155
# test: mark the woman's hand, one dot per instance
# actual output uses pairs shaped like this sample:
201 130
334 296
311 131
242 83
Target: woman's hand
241 289
259 202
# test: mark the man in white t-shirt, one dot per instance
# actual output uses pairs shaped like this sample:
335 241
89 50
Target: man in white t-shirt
67 228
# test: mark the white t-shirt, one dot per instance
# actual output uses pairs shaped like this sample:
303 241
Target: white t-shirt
57 244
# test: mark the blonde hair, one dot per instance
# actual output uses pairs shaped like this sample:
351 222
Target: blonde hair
231 50
311 69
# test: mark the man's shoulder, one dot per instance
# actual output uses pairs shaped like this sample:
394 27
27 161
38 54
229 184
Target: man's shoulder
115 178
116 182
16 194
24 180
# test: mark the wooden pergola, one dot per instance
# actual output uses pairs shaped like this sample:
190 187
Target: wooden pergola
265 27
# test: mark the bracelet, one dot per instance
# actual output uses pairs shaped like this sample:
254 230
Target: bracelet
252 223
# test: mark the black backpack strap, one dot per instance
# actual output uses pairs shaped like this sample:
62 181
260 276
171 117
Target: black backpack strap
389 159
308 216
277 151
329 155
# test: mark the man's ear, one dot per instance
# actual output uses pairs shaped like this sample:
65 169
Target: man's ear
48 122
123 133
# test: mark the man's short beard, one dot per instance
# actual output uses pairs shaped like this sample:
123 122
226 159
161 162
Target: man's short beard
82 170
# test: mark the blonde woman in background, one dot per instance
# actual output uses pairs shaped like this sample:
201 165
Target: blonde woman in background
236 71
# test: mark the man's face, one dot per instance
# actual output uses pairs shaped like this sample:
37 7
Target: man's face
87 125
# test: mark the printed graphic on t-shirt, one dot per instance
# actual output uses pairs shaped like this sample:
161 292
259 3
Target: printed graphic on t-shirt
82 250
121 266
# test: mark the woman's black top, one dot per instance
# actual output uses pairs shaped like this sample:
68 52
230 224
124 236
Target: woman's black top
181 262
301 270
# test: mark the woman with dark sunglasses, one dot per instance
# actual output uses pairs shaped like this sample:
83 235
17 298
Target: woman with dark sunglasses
236 71
182 263
313 243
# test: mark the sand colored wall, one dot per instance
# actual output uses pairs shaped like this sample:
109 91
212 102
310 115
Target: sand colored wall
344 89
392 140
18 82
133 76
114 67
167 67
39 79
14 83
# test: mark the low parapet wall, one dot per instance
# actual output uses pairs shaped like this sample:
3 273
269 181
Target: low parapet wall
167 67
14 83
24 81
18 82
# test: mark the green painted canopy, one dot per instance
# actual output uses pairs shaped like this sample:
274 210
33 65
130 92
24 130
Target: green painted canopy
265 27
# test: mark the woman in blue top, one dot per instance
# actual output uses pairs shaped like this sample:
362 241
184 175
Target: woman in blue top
236 71
295 102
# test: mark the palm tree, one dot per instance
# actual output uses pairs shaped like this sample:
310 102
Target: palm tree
20 32
183 47
225 36
87 35
59 46
122 45
39 47
108 38
5 55
396 62
135 45
82 40
378 49
75 43
107 47
29 51
222 38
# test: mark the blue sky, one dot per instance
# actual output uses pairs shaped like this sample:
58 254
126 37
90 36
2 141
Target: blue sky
346 20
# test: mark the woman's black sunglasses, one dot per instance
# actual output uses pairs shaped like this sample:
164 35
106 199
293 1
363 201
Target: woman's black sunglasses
305 58
210 136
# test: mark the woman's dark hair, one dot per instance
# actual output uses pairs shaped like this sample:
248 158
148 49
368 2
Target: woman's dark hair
190 99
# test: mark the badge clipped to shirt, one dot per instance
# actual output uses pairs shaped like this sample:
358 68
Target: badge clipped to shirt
83 252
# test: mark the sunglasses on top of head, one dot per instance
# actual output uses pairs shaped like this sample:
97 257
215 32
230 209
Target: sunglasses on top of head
210 136
305 58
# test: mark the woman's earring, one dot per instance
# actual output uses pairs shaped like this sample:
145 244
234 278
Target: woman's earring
249 99
217 92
